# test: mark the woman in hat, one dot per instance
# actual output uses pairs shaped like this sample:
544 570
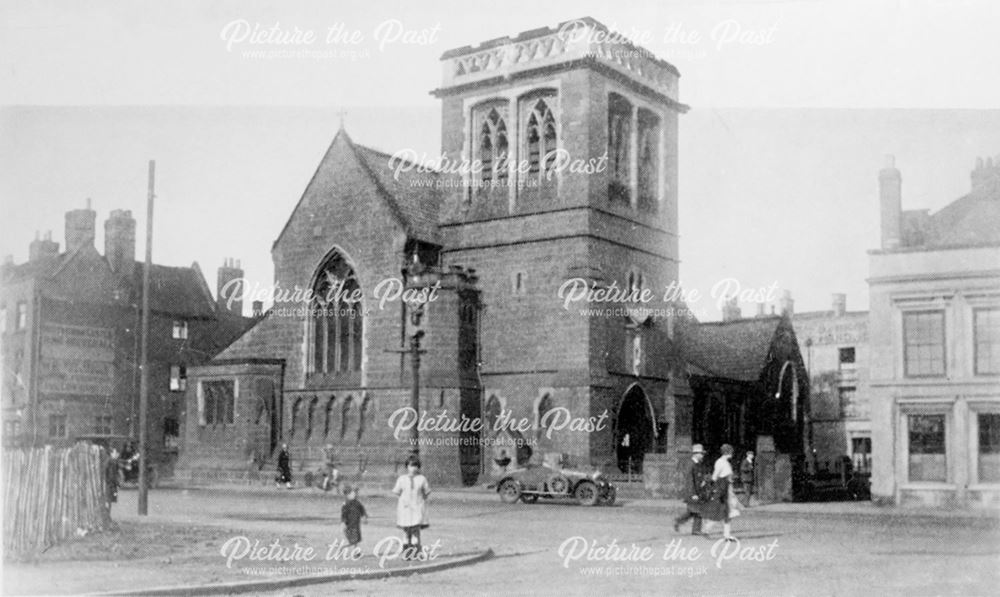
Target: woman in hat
723 505
411 510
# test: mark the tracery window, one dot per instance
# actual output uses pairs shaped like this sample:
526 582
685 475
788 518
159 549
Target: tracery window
492 146
337 320
541 139
619 144
649 160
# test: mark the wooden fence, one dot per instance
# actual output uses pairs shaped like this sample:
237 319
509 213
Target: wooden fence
51 494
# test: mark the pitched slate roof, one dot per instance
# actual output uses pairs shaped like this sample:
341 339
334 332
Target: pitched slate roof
175 290
970 220
413 198
415 194
731 349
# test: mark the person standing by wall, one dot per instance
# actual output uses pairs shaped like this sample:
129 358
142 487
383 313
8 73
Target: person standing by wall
411 510
284 468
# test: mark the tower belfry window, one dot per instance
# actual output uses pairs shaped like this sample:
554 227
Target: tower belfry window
619 143
649 160
492 146
541 138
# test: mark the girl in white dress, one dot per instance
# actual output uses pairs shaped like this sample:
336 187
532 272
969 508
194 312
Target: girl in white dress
411 511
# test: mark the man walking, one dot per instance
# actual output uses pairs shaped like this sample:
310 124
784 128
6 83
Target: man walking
696 493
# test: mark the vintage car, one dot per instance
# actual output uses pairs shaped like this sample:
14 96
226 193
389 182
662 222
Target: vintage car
533 481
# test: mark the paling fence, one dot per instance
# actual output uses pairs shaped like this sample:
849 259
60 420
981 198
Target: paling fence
51 494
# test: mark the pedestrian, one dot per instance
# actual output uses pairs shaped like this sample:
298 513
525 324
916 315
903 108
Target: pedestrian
284 468
696 493
722 504
111 478
352 513
411 511
331 476
747 475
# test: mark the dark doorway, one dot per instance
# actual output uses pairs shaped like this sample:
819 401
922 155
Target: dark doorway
634 434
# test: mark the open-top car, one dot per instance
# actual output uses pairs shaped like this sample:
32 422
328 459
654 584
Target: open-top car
533 481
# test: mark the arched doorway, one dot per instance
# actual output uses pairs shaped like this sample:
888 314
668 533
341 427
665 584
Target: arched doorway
634 431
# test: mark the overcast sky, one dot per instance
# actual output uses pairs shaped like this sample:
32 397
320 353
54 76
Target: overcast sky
794 105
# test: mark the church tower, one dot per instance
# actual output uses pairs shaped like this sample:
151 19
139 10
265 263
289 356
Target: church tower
560 168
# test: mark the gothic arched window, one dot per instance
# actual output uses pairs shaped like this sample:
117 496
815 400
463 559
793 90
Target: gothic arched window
619 143
544 406
345 411
337 321
328 419
540 137
493 410
492 145
649 161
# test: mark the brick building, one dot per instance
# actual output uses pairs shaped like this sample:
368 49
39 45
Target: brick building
70 345
935 347
834 343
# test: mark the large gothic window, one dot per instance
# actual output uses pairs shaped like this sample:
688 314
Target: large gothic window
540 137
337 320
649 160
492 145
619 143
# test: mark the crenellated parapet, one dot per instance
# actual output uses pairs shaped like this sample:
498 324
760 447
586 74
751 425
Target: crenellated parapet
569 42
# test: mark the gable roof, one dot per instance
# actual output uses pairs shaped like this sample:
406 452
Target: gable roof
175 290
968 221
736 349
413 198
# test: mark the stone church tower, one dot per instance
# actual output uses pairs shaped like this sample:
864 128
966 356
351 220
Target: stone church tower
570 135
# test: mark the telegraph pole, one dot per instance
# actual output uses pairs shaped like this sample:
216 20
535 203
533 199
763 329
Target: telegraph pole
144 350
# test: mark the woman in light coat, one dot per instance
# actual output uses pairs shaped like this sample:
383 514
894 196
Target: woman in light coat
723 506
411 511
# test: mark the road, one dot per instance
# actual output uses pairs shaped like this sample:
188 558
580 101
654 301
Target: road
564 549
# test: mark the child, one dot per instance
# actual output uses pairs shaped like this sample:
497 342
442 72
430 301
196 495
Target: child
411 511
351 514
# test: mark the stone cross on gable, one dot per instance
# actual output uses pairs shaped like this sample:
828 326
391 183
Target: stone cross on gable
341 114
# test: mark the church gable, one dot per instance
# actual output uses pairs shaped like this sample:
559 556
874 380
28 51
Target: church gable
357 178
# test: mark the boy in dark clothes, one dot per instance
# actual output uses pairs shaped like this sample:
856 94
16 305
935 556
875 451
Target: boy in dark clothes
351 514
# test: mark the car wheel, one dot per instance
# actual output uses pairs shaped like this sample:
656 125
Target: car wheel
529 498
509 492
586 493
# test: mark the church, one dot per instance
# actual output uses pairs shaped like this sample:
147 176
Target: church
565 141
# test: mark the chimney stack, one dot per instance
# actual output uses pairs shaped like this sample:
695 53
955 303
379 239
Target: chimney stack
839 304
731 310
119 242
890 194
80 226
787 304
229 289
41 249
986 177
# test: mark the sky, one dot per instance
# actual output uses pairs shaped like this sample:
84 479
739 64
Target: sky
793 107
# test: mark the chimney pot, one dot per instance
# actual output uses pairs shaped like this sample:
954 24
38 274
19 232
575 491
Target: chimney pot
839 303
